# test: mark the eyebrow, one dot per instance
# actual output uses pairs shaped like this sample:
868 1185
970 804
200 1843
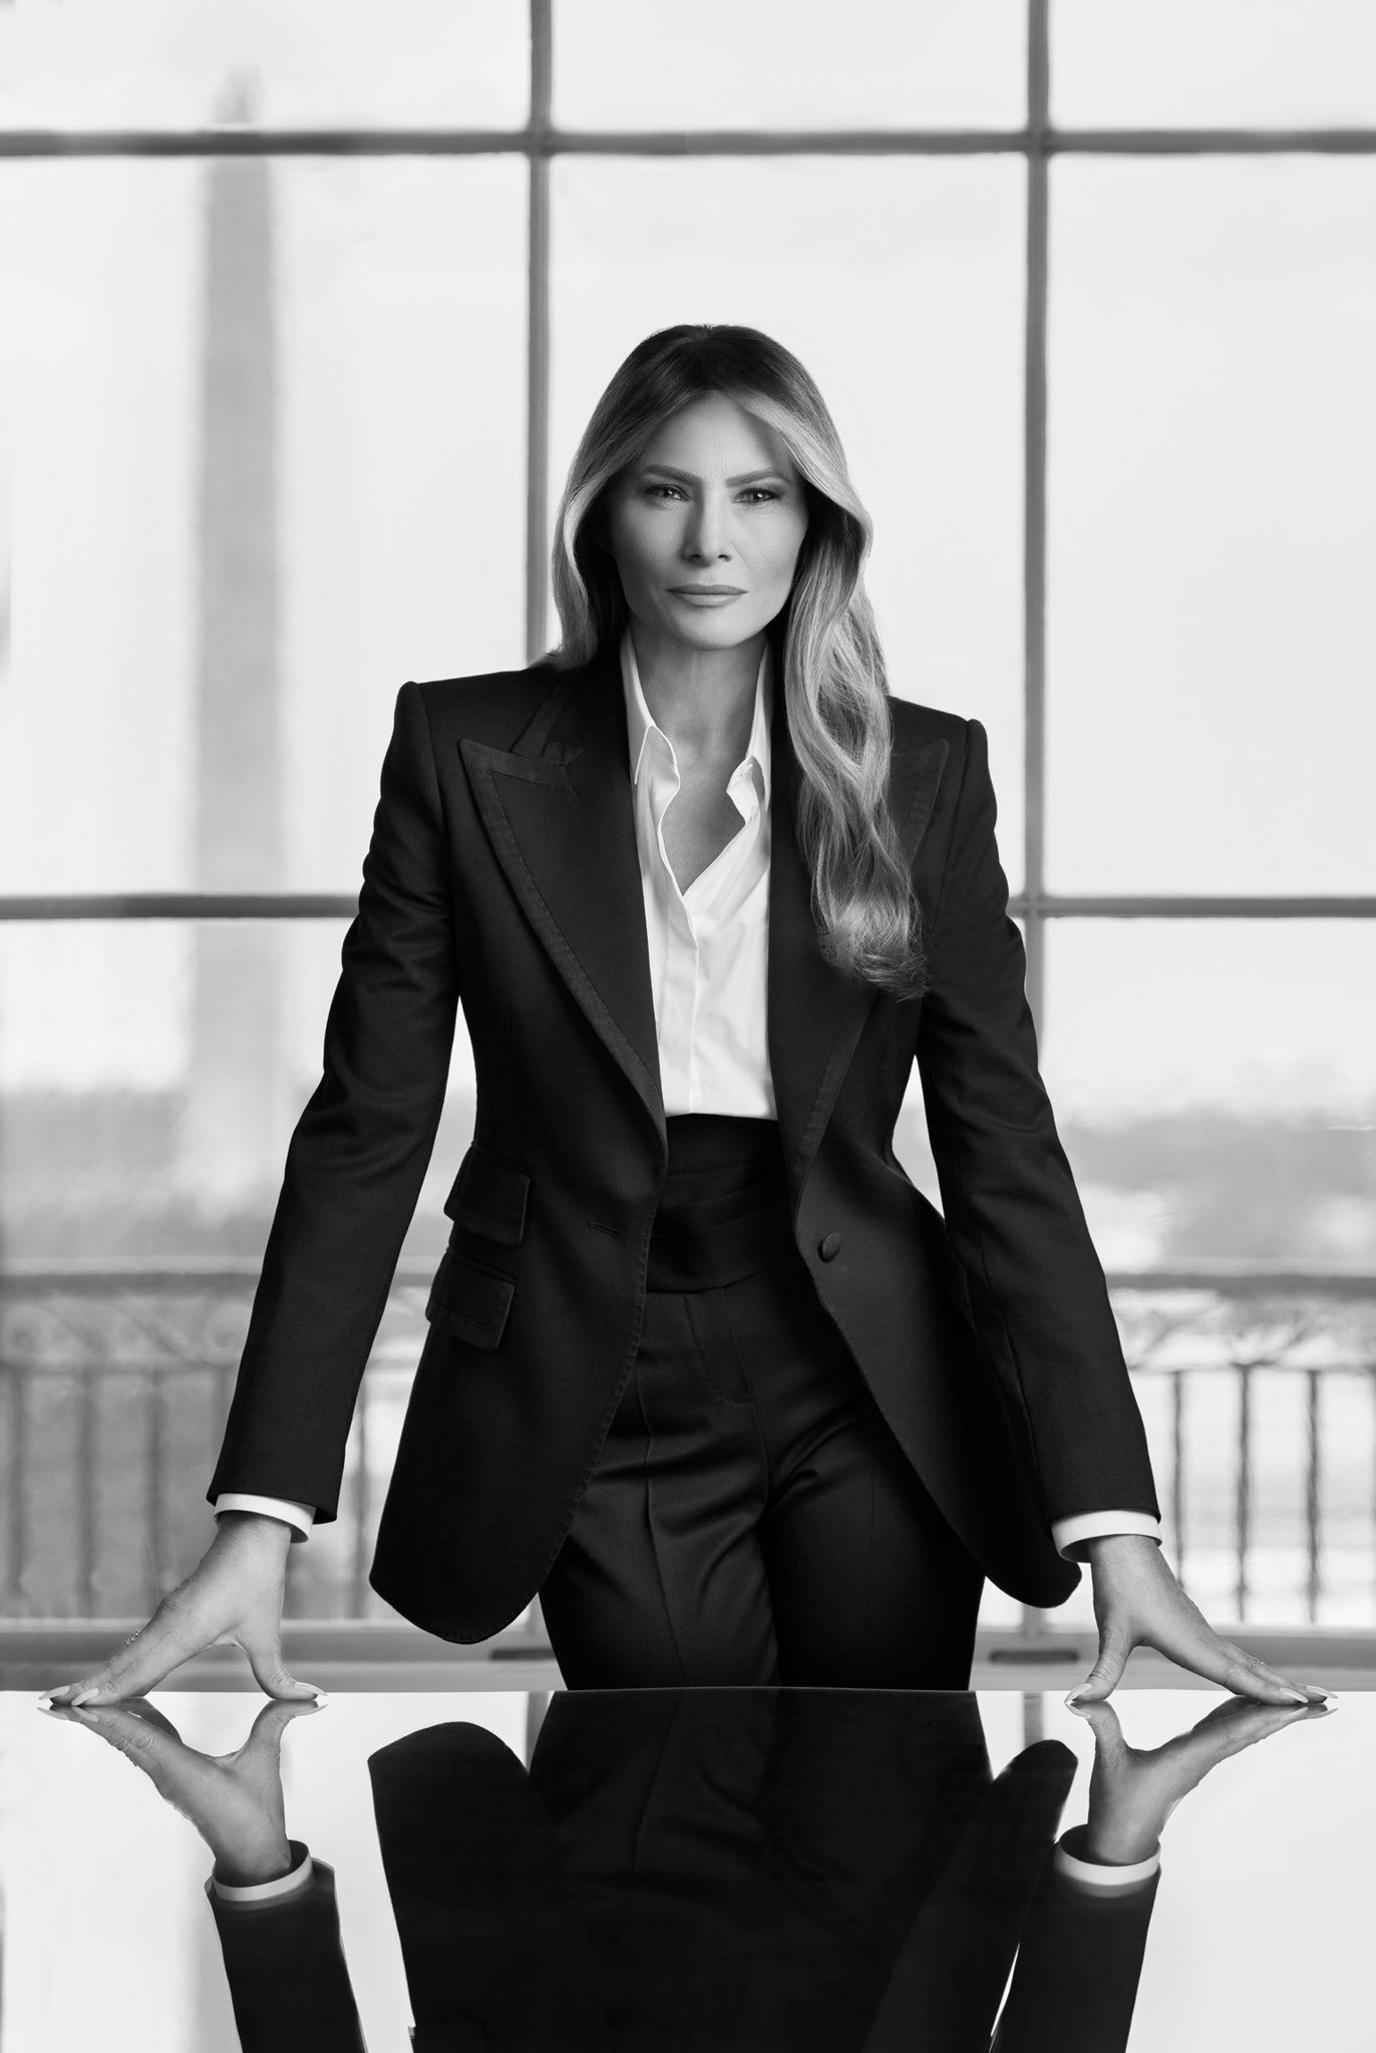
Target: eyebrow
687 477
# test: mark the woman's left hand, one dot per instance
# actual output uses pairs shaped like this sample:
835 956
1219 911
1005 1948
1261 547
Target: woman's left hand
1138 1602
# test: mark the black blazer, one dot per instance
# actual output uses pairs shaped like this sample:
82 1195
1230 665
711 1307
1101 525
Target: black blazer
503 876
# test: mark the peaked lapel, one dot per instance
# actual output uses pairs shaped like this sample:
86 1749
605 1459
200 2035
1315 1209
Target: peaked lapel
816 1015
558 809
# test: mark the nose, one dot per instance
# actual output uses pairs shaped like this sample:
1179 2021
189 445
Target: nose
708 535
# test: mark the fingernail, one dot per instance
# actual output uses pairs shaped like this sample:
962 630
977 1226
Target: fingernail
45 1703
1297 1696
320 1698
84 1698
1073 1699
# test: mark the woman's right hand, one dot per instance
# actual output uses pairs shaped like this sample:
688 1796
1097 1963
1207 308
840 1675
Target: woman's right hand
234 1594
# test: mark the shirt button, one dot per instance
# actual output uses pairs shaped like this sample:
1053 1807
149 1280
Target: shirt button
829 1246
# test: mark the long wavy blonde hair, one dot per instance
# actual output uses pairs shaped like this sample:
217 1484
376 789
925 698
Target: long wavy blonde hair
868 920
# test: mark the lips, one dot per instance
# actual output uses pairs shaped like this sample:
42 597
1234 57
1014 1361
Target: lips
708 591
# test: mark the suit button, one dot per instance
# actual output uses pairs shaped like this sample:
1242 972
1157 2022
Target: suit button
829 1246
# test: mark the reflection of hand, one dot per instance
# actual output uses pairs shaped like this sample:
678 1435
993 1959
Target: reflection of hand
1131 1794
234 1800
234 1593
1139 1603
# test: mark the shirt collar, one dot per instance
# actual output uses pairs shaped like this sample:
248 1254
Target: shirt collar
641 724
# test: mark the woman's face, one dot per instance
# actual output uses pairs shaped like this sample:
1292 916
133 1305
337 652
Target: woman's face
706 528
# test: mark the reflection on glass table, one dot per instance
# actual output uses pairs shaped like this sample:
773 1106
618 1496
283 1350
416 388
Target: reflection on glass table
714 1869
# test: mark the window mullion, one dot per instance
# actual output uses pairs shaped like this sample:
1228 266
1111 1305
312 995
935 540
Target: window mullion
537 326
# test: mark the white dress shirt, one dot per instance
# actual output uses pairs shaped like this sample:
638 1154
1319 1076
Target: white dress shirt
709 952
709 945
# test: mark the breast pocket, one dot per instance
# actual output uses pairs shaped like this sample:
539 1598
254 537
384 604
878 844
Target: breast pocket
471 1297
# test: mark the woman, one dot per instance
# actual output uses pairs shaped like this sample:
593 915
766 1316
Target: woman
704 1368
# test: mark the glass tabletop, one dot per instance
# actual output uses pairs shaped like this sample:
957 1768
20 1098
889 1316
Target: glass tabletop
733 1870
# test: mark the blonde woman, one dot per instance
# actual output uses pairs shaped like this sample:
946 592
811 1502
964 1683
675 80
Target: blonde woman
703 1369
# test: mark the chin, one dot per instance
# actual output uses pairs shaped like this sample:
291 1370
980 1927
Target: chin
716 633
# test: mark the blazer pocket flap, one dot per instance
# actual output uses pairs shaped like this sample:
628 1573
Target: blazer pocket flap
470 1302
489 1197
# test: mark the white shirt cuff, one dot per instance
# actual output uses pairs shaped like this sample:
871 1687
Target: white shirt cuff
1102 1874
262 1892
299 1516
1069 1533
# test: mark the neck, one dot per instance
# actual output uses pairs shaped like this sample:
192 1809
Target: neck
704 699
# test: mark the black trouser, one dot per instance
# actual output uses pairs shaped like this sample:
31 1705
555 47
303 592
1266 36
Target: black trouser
751 1518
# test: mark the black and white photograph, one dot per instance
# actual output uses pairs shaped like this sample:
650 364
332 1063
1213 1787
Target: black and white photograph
687 1093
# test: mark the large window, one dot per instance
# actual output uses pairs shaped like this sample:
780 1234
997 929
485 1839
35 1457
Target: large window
305 306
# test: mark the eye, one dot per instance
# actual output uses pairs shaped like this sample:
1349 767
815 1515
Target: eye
756 495
656 490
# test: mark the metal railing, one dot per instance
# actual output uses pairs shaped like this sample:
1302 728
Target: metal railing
1258 1390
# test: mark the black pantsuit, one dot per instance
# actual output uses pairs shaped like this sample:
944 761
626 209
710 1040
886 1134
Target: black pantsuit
503 878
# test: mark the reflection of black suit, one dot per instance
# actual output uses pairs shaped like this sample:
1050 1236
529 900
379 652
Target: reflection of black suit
503 874
722 1872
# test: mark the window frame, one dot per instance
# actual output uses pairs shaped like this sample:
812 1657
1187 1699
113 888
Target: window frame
539 142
